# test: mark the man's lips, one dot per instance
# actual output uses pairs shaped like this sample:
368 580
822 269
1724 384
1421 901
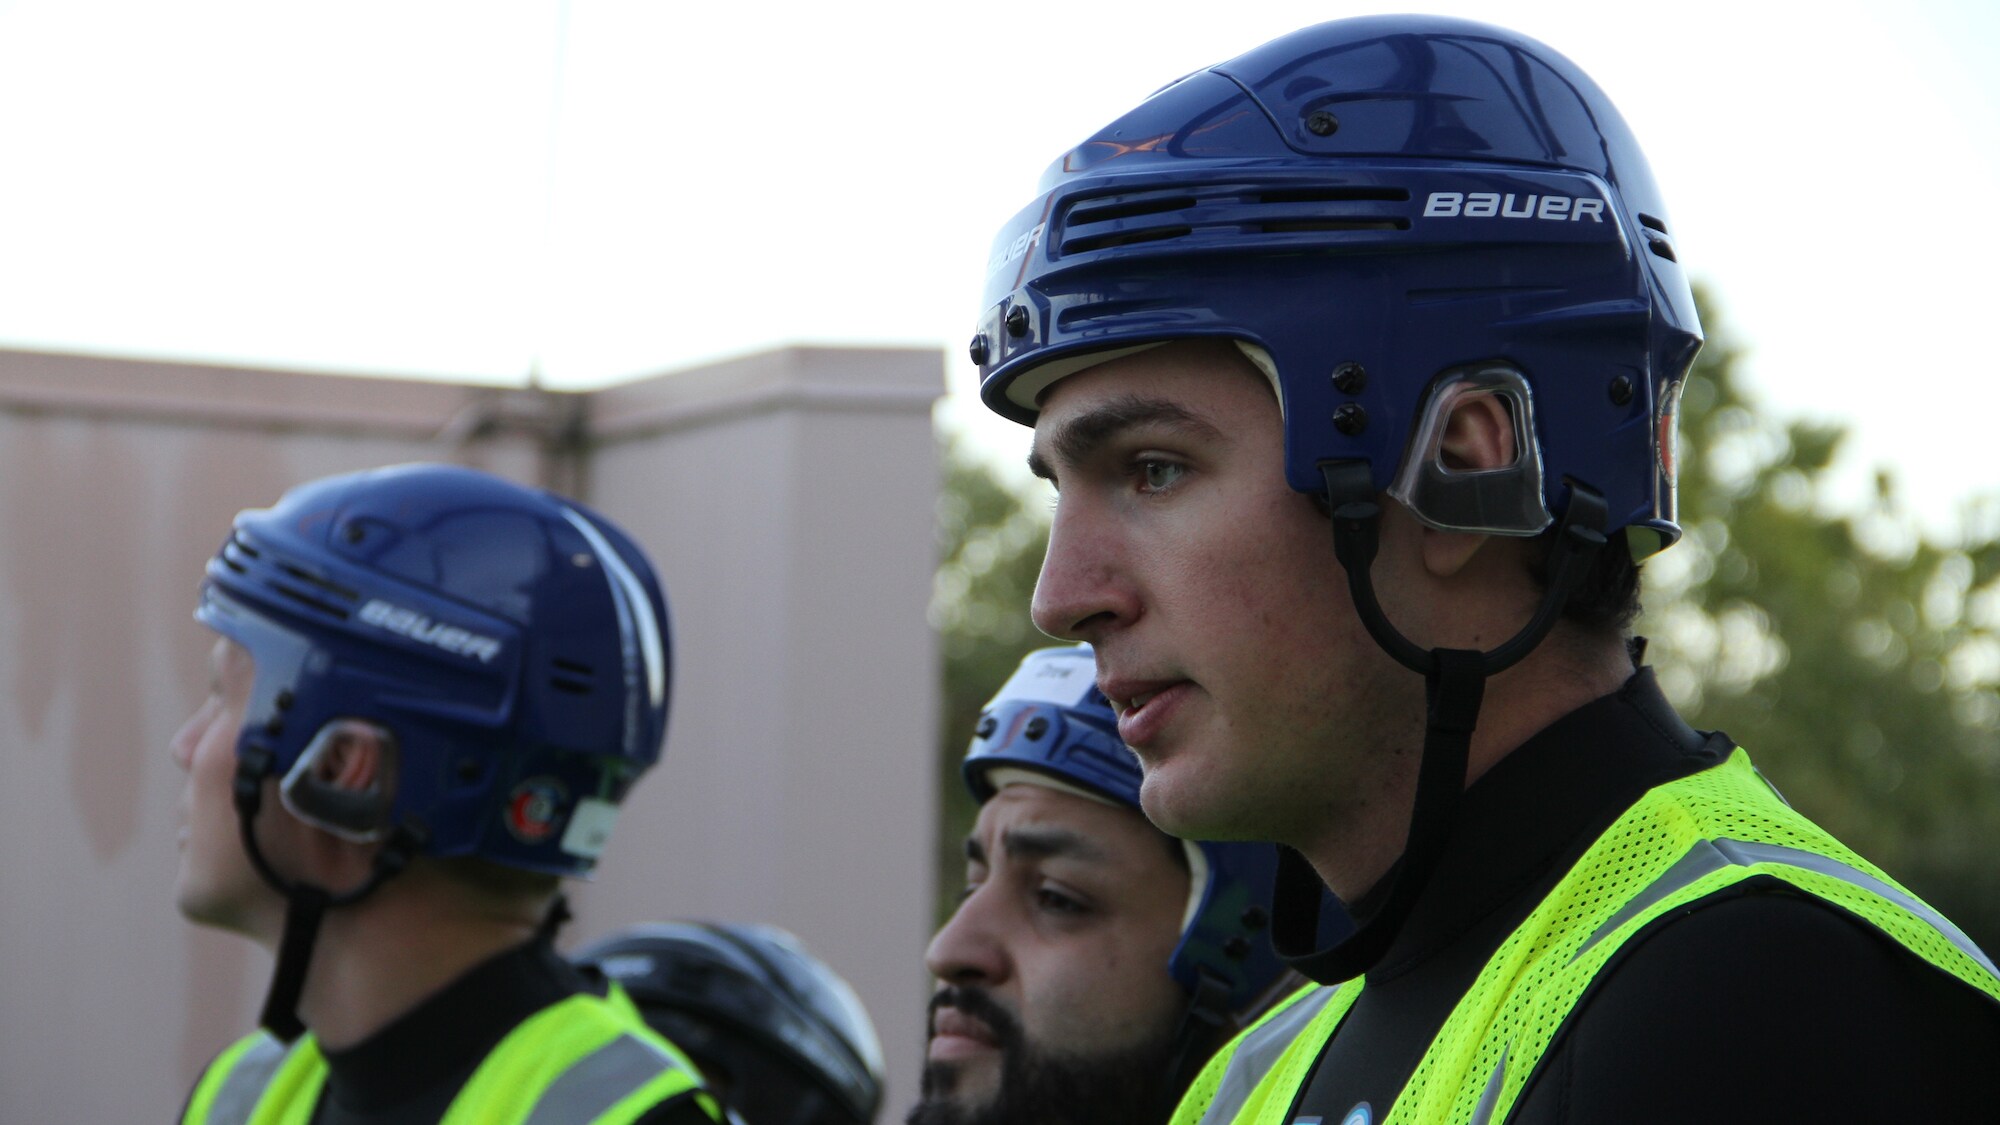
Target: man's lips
955 1035
1144 706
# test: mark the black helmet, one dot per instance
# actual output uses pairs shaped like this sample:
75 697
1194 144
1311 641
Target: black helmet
782 1038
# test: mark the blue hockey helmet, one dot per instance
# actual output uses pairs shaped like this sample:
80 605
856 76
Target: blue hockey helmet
511 644
1386 213
781 1037
1050 720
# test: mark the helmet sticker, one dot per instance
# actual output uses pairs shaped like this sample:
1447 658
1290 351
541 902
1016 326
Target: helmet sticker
590 828
1066 682
534 808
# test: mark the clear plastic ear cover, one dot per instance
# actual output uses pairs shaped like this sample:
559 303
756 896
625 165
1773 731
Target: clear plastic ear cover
345 782
1503 501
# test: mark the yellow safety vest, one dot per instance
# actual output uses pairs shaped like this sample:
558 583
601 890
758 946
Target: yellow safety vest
587 1060
1681 842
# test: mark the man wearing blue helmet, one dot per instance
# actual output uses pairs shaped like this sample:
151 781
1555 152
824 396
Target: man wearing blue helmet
431 690
1407 279
1093 963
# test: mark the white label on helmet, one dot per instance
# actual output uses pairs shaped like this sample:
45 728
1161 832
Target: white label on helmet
1065 682
590 827
1492 205
409 623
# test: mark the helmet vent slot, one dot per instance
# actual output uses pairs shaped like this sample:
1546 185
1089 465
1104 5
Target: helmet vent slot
315 591
1656 237
234 552
326 584
1232 211
1130 208
570 676
306 599
1124 238
1291 226
1336 195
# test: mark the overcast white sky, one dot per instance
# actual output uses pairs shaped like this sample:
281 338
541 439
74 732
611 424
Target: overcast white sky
609 188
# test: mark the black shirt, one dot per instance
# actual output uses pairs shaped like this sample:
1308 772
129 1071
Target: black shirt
1760 1004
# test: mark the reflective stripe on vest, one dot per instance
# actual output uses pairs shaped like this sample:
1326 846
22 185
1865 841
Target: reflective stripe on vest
1714 855
254 1064
1262 1058
254 1071
1680 843
586 1060
1258 1053
602 1079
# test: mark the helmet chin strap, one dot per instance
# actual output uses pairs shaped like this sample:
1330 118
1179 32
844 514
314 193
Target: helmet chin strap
1202 1029
1454 687
305 904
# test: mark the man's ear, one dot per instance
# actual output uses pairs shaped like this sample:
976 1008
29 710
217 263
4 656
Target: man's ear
345 782
1478 437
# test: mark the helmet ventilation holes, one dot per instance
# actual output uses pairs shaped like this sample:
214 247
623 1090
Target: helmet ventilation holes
312 590
1232 210
1656 237
1122 207
571 676
1124 238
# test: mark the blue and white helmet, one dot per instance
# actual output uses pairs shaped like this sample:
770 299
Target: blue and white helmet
1386 214
1051 723
511 643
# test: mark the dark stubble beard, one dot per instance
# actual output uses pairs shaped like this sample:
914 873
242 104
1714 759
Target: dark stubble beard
1038 1087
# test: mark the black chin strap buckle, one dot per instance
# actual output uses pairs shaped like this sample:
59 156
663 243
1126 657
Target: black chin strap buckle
253 765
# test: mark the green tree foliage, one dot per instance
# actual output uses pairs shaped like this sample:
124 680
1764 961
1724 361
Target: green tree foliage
991 539
1855 657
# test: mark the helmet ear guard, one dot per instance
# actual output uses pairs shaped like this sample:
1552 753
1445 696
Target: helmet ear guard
345 781
1506 500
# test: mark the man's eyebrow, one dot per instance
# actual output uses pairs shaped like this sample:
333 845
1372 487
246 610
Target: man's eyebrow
1032 842
973 851
1077 438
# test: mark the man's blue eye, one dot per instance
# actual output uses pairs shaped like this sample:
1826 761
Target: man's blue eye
1160 474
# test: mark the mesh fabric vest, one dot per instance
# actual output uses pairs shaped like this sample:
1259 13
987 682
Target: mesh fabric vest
1681 842
586 1060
